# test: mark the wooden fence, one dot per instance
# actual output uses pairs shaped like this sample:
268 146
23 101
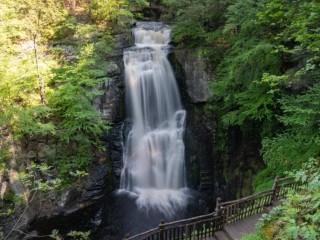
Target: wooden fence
205 226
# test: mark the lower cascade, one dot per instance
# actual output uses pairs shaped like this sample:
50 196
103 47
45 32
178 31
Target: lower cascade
153 162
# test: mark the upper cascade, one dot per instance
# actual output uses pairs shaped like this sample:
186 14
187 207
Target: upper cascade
151 33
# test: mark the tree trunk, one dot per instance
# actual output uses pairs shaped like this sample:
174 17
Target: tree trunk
40 79
72 4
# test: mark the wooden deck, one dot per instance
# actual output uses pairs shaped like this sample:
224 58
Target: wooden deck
236 230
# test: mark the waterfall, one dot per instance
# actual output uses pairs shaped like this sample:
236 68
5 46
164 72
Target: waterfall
153 161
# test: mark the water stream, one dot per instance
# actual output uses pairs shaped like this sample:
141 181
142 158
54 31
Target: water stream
153 162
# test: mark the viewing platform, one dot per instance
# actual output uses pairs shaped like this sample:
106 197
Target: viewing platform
230 220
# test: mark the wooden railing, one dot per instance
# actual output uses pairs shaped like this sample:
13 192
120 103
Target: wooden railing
205 226
237 210
199 227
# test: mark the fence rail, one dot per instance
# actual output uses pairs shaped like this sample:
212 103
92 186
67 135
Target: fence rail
205 226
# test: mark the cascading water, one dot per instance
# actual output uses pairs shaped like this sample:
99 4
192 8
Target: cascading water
153 170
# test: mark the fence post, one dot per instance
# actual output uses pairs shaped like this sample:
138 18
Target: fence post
219 215
161 228
274 190
218 201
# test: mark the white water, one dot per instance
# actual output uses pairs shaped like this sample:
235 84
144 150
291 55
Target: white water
154 171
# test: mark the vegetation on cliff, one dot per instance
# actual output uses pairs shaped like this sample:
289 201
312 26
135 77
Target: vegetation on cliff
52 62
266 60
52 55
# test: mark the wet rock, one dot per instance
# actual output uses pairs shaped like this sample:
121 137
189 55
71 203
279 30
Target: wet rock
111 100
96 184
199 151
31 235
121 41
68 198
110 104
97 219
112 69
114 140
196 77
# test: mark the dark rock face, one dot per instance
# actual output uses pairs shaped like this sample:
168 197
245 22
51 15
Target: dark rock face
201 159
96 184
196 78
111 103
114 142
72 209
200 155
241 162
214 173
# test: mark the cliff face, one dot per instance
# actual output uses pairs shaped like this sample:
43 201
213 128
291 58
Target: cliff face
194 79
227 174
81 199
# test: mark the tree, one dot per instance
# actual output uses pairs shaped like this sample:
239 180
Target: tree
265 56
37 18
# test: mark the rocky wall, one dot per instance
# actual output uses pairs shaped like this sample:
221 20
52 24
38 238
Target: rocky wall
215 173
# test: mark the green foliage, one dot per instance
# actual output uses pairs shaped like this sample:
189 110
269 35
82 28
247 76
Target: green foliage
302 139
298 217
192 28
33 178
44 45
286 151
66 28
71 84
54 234
11 197
28 121
79 124
240 16
264 186
265 56
115 11
253 236
302 112
26 19
72 100
79 235
20 101
107 10
78 174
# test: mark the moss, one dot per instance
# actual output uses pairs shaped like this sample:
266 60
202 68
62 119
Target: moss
264 186
263 179
269 230
9 197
